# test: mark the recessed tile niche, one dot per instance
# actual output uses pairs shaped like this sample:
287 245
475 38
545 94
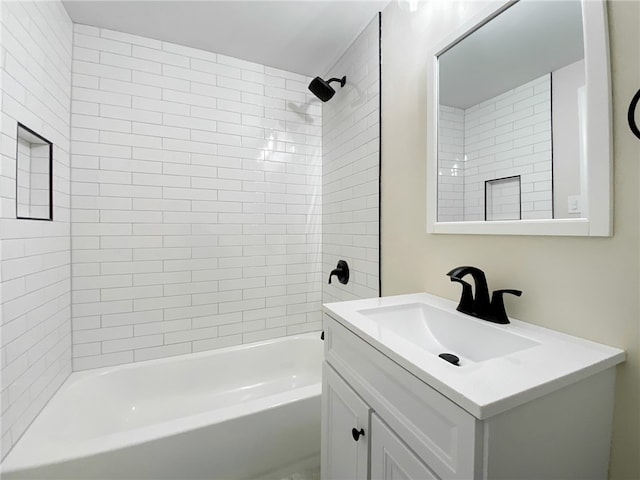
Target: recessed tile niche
503 199
34 162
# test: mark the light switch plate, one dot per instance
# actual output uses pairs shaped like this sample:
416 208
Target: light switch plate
574 204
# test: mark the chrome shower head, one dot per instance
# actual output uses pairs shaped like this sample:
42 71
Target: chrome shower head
321 88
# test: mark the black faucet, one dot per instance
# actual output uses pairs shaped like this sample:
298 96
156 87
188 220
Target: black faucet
479 305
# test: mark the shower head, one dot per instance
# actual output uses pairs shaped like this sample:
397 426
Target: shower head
321 88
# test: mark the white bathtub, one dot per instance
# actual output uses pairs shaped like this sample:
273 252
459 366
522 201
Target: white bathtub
235 413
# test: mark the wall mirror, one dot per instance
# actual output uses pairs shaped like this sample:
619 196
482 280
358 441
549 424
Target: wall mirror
520 122
34 161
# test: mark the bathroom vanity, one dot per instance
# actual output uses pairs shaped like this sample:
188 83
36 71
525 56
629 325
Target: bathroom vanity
523 402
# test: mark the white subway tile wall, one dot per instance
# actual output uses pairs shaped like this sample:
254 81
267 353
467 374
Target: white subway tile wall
35 275
350 170
196 183
451 163
507 135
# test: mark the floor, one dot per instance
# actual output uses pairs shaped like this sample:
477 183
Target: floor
307 474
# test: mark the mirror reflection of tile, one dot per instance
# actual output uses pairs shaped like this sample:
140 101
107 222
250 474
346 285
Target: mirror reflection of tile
503 136
513 113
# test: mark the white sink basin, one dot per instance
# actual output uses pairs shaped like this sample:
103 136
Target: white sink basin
500 366
440 331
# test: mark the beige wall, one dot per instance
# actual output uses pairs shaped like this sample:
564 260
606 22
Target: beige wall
583 286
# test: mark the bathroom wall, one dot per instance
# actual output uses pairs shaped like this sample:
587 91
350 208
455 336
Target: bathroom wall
350 170
35 279
583 286
196 200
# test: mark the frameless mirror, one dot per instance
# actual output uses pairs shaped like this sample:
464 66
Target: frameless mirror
520 122
34 155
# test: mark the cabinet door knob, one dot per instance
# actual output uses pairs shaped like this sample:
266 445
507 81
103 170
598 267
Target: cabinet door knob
357 433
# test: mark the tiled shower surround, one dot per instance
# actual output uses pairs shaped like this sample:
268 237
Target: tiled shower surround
35 277
187 200
351 170
196 200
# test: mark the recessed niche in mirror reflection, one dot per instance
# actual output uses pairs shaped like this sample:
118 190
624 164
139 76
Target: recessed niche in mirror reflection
502 199
511 104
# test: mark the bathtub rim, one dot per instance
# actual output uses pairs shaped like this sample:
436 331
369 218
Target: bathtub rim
16 460
98 371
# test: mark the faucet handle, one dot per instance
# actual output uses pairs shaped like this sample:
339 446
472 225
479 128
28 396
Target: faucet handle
497 312
341 271
466 299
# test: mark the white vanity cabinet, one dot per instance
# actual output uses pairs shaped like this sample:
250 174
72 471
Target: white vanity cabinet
441 434
343 411
391 459
351 433
412 431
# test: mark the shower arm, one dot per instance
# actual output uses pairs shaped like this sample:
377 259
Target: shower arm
342 80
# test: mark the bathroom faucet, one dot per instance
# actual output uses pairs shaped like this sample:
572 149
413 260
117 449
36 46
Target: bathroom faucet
479 305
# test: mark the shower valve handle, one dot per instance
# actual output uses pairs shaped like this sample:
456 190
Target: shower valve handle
341 271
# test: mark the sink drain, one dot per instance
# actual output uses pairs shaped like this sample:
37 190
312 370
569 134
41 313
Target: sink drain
451 358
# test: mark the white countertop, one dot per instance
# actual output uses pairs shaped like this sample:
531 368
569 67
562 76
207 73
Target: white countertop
483 388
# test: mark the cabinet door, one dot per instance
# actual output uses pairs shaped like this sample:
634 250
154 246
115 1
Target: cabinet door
391 459
344 455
